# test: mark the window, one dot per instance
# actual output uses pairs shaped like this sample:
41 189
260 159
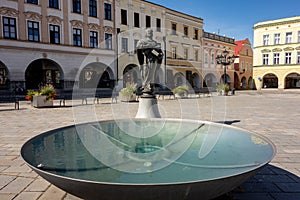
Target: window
277 38
107 11
298 36
9 28
148 21
174 29
265 40
54 34
108 41
33 31
135 43
212 58
53 4
158 24
298 57
93 8
276 58
185 54
124 45
196 55
206 58
186 31
288 37
123 17
196 34
136 20
265 59
33 1
93 39
288 58
77 6
77 37
174 53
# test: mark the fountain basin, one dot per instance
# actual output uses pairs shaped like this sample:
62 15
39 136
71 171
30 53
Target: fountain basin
148 158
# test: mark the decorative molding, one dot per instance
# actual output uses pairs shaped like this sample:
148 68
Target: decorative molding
9 12
277 50
77 24
266 51
271 24
297 48
54 20
93 26
130 6
108 29
289 49
137 35
118 3
33 16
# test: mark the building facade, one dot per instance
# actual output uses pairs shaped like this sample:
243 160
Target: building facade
276 62
179 34
212 72
65 43
243 65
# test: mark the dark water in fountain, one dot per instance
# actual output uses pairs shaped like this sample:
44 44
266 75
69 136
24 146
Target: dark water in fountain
147 152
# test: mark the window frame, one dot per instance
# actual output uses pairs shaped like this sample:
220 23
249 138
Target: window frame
174 52
277 38
148 21
158 24
77 37
77 6
35 2
54 33
94 39
124 45
185 31
196 34
107 11
54 4
288 58
298 57
108 41
276 58
266 40
93 8
10 27
34 30
288 37
174 29
124 17
265 58
136 20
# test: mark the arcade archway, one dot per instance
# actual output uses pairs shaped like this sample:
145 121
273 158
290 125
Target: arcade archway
43 71
210 80
4 78
270 81
292 81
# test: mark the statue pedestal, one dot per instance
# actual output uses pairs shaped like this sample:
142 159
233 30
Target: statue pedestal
148 108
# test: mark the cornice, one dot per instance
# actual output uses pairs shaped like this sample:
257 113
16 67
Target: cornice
271 24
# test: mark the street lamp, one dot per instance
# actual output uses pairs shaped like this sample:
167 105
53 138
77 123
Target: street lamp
225 59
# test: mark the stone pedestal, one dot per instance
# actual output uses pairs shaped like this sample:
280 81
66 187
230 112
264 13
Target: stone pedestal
148 108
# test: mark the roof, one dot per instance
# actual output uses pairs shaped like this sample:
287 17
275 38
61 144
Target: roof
239 46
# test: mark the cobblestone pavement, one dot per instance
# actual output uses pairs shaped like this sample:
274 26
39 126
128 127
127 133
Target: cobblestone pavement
272 114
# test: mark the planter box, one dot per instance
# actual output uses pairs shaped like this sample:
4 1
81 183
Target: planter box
40 102
130 98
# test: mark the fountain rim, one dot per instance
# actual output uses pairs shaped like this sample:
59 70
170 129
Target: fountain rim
40 171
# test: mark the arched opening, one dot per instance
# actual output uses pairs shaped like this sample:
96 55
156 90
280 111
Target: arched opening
131 74
244 83
250 83
196 81
270 81
96 75
228 79
292 81
210 80
43 71
4 77
237 83
179 79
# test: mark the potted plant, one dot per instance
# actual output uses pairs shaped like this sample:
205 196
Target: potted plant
42 98
223 89
129 92
181 91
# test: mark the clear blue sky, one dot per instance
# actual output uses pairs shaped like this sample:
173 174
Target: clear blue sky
234 18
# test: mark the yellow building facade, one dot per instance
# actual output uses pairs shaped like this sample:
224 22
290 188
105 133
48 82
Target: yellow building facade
276 60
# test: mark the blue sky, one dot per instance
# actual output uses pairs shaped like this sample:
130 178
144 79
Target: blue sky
234 18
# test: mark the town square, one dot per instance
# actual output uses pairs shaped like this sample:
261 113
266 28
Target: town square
136 99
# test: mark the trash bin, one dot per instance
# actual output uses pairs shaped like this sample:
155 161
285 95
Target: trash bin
233 91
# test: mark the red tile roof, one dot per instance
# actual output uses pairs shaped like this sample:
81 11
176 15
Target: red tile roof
239 46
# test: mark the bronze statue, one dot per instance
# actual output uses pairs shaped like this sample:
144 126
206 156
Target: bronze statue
150 57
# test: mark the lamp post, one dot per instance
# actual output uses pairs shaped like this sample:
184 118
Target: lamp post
225 59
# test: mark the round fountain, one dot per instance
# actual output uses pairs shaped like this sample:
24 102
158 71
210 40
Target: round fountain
147 158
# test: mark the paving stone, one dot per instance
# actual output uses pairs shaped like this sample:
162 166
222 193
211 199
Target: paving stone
7 196
289 187
4 180
16 186
53 193
28 196
38 185
286 196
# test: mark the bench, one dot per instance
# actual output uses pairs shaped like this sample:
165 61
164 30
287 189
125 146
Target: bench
202 91
10 97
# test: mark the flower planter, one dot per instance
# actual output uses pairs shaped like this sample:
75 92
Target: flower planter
130 98
41 101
